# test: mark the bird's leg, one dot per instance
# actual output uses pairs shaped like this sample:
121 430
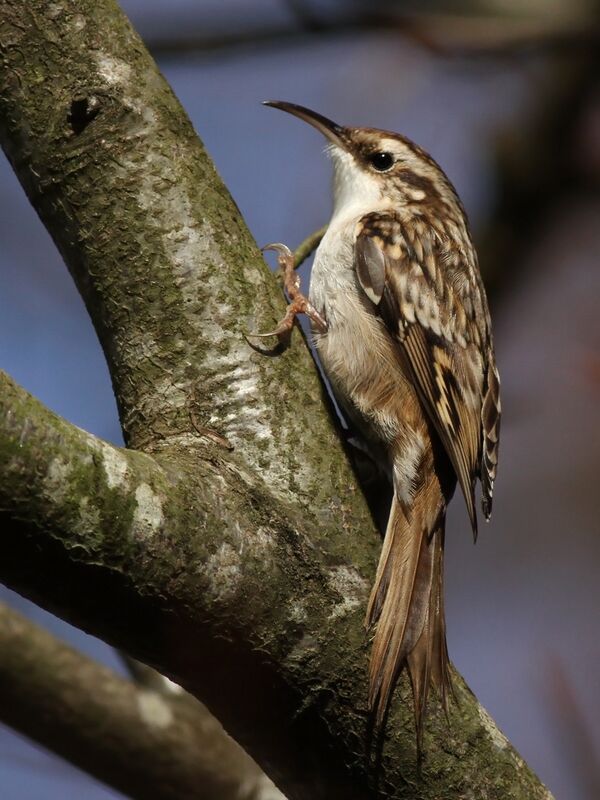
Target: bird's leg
299 304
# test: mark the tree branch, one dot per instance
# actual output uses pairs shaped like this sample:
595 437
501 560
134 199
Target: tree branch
242 575
480 36
305 248
191 566
146 744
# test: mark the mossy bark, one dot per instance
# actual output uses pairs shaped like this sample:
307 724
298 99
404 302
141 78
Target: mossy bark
243 574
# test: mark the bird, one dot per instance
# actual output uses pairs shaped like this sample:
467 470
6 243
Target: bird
401 325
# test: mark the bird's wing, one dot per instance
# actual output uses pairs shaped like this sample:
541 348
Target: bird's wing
424 284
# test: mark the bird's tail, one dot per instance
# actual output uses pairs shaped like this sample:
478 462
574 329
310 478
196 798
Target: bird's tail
407 605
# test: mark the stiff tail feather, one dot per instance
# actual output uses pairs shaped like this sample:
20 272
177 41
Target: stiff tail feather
407 606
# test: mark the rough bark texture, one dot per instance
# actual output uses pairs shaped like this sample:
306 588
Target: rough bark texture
241 574
110 727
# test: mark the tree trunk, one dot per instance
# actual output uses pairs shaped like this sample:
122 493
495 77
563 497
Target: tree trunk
230 546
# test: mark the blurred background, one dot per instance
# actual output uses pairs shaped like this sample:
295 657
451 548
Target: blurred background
505 94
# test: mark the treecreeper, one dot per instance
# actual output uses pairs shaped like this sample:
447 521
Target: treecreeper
401 325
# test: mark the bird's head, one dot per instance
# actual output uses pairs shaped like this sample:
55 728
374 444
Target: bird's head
374 167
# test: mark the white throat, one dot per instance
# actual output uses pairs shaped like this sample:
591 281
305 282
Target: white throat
355 192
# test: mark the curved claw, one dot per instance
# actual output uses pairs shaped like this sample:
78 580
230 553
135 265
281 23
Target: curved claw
298 304
277 332
278 247
285 258
283 326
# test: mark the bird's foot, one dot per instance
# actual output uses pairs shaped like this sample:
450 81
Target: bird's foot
299 304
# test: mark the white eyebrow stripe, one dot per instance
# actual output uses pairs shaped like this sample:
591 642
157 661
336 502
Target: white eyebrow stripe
389 144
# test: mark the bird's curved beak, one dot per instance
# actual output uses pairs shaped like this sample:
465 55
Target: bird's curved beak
335 133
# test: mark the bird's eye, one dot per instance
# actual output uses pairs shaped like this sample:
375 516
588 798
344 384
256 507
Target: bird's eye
381 161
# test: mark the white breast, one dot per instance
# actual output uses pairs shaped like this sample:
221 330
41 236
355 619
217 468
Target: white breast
357 352
356 348
333 279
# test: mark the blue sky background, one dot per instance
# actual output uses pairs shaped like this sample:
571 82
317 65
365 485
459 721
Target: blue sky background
526 597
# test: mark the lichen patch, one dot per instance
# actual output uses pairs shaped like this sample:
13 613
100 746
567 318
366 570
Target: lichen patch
54 10
351 587
78 22
143 346
114 71
262 539
246 387
182 243
305 648
297 611
115 466
55 482
172 394
154 710
244 381
148 515
224 572
89 517
499 740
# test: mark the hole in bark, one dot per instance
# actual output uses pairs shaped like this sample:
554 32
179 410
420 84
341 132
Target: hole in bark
83 111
